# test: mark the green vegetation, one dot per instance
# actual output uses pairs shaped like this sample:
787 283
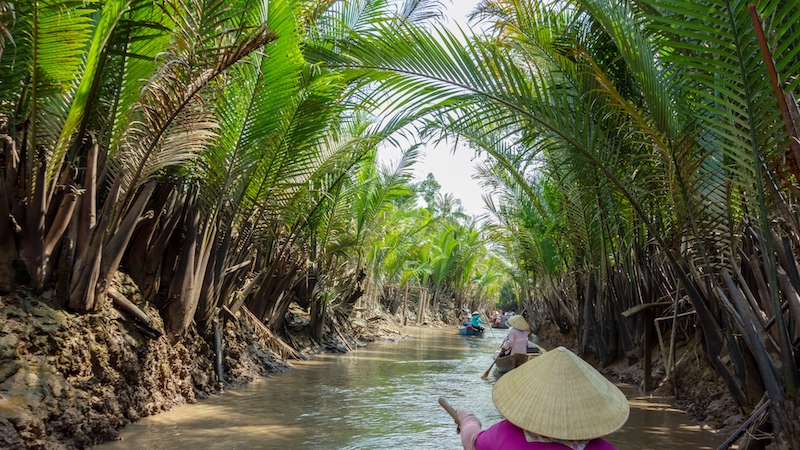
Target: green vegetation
194 147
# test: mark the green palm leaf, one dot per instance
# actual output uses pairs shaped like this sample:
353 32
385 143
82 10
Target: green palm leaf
172 123
45 64
109 17
142 34
253 104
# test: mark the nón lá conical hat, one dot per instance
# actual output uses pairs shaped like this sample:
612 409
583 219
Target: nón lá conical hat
561 396
519 323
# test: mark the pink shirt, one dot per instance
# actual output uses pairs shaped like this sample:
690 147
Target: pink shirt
517 341
504 435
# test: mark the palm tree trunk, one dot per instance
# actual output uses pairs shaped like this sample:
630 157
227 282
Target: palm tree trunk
319 310
203 276
8 248
212 286
142 239
181 301
150 279
56 231
242 295
281 298
118 243
88 211
31 250
787 418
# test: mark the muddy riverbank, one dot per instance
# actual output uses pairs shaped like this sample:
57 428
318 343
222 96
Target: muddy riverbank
70 381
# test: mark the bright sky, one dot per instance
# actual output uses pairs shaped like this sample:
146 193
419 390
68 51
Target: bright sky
452 171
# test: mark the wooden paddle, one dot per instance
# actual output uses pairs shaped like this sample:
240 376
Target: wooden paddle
449 409
486 374
490 325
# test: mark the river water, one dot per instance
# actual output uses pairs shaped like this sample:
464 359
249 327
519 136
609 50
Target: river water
380 397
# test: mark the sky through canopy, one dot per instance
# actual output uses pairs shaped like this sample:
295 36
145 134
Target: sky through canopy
452 171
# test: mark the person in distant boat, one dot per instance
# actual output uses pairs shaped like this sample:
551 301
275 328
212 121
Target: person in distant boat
556 401
503 318
476 321
495 318
516 343
465 320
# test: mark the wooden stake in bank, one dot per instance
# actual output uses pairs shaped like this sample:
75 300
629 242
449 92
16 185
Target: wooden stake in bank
647 309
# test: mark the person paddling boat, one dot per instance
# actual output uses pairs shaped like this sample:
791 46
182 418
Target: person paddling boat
476 321
516 343
555 401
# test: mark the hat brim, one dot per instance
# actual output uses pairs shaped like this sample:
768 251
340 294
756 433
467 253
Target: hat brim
560 396
519 323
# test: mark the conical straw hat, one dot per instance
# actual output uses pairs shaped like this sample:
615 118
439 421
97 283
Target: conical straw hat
519 323
561 396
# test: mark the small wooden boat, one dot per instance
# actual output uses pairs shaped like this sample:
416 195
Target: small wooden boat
500 326
507 363
469 331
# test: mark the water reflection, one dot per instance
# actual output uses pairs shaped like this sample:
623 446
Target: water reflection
381 397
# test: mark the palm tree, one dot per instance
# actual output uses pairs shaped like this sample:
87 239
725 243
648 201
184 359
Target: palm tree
55 99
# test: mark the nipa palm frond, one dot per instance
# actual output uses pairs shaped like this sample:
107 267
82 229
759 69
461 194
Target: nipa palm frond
173 125
255 99
717 48
43 66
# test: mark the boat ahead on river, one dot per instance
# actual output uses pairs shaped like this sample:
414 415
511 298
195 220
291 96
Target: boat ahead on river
469 330
507 363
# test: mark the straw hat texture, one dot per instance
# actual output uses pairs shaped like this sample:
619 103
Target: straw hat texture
519 323
561 396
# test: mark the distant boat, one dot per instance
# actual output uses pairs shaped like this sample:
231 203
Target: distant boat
469 331
500 326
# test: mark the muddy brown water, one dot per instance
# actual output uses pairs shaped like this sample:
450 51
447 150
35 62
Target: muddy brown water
380 397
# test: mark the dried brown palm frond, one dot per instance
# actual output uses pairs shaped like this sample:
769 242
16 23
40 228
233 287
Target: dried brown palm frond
172 123
275 343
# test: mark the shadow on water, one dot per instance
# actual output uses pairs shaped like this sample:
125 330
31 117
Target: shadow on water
654 423
381 397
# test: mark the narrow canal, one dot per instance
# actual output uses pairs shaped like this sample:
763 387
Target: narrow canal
380 397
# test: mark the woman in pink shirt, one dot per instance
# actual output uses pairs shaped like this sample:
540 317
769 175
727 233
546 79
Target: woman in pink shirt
555 401
516 342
